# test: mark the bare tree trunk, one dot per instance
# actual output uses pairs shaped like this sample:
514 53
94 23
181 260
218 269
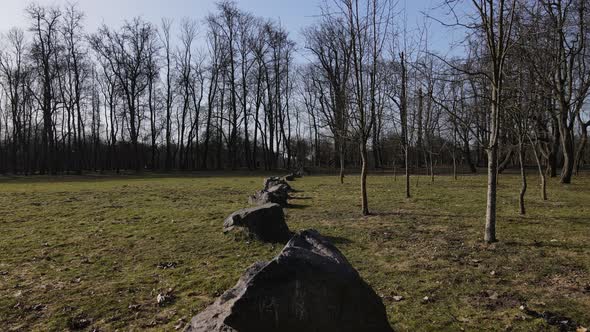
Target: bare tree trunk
490 228
207 134
567 146
419 143
454 167
554 149
408 194
523 177
581 145
364 170
404 124
541 172
467 154
504 164
431 166
454 151
341 157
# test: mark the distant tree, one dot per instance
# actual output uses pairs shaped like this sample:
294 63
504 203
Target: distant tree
13 74
44 25
165 40
125 51
330 43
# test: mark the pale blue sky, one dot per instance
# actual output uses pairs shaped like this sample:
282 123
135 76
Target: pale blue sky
294 14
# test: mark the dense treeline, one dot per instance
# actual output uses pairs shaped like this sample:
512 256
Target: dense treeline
129 98
141 97
238 93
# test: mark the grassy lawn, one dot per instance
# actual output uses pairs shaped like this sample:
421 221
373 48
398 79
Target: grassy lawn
96 252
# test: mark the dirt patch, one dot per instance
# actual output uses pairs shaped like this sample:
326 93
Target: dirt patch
563 323
574 283
492 300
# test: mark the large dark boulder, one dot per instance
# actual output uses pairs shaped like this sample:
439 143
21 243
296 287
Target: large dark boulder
274 181
281 191
265 223
278 194
263 197
309 286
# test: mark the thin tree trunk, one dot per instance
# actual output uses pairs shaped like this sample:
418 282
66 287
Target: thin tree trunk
523 178
341 157
454 167
581 145
490 228
542 175
567 145
364 170
407 160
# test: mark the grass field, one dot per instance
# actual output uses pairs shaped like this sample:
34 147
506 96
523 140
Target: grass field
84 253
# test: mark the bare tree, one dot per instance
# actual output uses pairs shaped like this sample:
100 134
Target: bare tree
165 39
330 43
568 80
496 19
13 72
45 24
367 29
125 51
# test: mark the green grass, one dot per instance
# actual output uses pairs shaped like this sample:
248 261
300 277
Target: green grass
75 250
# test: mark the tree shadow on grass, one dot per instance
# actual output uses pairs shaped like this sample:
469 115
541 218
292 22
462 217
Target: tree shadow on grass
338 239
423 215
297 206
576 220
546 243
300 198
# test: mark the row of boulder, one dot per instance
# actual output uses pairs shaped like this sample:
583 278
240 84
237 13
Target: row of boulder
266 220
275 190
308 286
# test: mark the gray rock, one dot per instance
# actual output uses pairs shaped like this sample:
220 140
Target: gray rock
281 192
278 194
275 180
260 197
265 223
263 197
309 286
